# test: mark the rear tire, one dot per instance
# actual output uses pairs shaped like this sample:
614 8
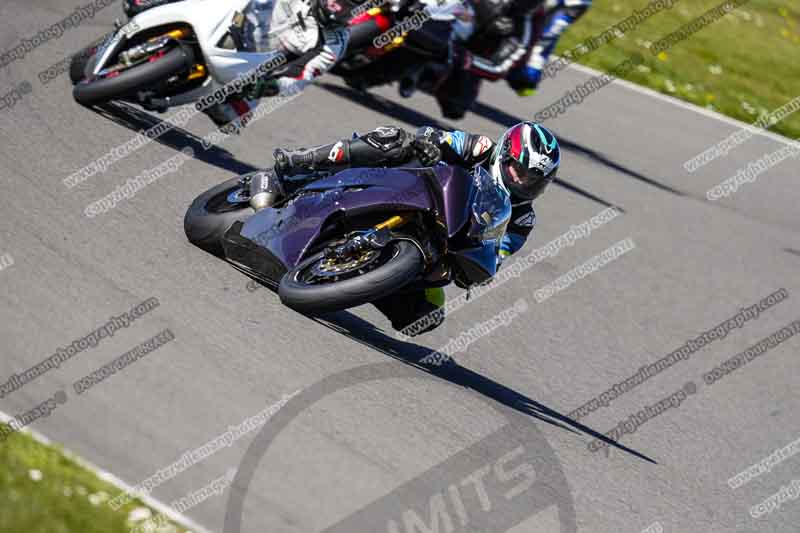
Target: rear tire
210 216
398 271
104 90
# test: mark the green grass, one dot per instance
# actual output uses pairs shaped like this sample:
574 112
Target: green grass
742 65
44 491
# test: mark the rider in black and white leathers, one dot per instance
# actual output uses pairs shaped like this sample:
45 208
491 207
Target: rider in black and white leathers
312 44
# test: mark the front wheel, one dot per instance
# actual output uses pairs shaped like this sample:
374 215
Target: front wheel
320 285
118 84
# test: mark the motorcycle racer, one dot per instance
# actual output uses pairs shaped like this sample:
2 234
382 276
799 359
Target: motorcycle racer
502 35
524 160
312 33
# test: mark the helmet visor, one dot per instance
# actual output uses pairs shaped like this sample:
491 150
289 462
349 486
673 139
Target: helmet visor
523 182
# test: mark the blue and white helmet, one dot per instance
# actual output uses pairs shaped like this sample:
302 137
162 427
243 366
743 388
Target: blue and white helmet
526 158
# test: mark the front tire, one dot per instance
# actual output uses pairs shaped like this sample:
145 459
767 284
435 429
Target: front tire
211 214
140 77
402 266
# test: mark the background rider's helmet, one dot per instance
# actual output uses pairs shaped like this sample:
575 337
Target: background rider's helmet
335 12
526 158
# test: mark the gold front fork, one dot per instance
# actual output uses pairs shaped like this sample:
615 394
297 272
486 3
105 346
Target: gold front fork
394 222
178 34
198 70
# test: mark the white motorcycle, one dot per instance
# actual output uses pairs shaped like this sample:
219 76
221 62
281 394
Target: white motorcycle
176 54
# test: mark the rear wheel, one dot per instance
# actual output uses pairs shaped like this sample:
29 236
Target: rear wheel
320 284
122 83
213 212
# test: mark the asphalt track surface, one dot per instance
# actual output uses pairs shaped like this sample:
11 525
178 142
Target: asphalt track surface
372 438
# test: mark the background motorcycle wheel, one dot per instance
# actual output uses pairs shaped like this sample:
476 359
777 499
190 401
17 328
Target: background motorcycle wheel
103 90
211 214
400 264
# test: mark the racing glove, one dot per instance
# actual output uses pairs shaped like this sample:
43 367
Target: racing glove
262 88
428 153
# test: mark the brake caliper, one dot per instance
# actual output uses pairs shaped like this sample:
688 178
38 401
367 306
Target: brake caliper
374 239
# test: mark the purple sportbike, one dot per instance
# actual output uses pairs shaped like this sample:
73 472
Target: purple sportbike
356 236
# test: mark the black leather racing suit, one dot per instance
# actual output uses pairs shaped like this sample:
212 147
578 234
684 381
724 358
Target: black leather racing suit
503 35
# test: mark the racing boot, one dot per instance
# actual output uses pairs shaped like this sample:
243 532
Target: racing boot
415 311
293 169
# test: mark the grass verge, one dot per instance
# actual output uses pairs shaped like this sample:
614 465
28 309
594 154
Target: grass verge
743 65
44 490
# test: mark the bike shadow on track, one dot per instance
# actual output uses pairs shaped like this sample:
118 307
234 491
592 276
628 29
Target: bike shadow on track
176 138
361 331
415 118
